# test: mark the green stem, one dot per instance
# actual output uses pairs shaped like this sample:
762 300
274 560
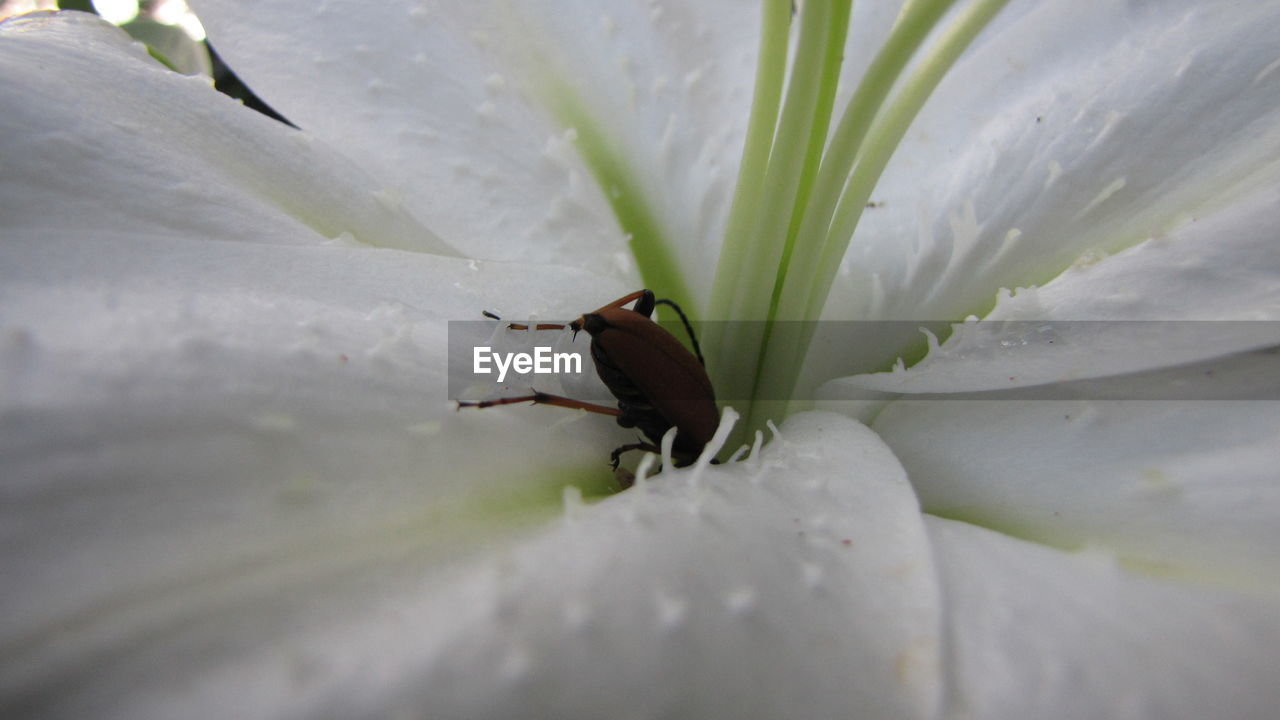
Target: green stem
881 140
770 73
783 358
904 40
748 295
796 207
887 133
839 29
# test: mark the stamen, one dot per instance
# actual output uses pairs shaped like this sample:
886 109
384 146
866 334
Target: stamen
668 441
643 470
728 418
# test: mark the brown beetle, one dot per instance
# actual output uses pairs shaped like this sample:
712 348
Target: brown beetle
658 383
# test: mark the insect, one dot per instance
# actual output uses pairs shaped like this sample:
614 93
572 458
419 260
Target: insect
658 383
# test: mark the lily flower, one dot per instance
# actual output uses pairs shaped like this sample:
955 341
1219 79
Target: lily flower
234 482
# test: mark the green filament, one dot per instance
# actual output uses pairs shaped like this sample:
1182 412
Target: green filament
799 201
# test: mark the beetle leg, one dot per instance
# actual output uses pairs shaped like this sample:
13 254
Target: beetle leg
647 303
538 398
637 295
524 326
626 299
616 456
539 326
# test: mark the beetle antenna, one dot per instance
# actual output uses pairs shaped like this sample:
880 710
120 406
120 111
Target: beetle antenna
488 314
697 349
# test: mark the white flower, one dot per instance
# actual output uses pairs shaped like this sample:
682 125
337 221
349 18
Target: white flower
233 483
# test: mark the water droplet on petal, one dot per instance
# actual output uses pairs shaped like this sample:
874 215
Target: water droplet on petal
740 602
813 575
672 611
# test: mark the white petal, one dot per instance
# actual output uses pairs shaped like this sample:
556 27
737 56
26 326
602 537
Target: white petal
1180 488
800 589
1221 265
452 102
754 590
100 138
1076 131
1038 633
185 422
1221 268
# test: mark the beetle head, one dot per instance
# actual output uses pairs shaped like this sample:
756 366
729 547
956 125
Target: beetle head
593 323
